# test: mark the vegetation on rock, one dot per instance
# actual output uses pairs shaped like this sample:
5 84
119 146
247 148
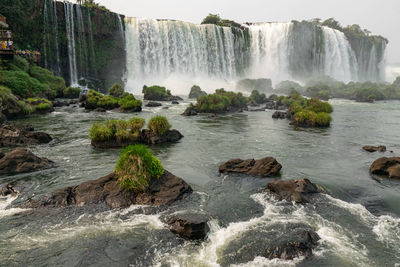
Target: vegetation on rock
126 101
155 92
196 92
257 97
116 90
136 167
159 125
72 92
120 130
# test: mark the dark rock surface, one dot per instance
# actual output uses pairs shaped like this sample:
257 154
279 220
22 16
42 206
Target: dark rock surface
263 167
99 110
153 104
189 226
106 190
21 160
7 190
298 191
375 148
3 119
389 167
175 103
11 136
281 115
190 111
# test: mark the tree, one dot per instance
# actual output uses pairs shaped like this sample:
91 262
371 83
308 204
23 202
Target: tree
332 23
211 19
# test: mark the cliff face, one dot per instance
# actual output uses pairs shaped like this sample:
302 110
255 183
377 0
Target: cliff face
84 44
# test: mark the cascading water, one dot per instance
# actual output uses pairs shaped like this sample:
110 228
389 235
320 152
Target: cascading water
82 44
45 33
55 28
70 29
340 61
91 44
50 37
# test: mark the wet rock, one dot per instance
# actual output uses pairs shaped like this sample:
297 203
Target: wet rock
99 110
189 226
26 128
153 104
298 191
263 167
148 137
375 148
3 119
21 160
190 111
389 167
196 92
165 108
106 190
11 136
8 190
212 116
257 109
59 103
175 103
280 115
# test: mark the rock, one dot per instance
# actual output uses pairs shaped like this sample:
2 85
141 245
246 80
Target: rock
375 148
7 190
189 226
3 119
272 97
252 103
99 110
212 116
297 191
389 167
153 104
196 92
257 109
60 103
21 160
280 115
148 137
175 103
165 108
106 190
26 128
263 167
190 111
10 136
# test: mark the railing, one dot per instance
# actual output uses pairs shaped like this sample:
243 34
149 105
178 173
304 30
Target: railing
6 42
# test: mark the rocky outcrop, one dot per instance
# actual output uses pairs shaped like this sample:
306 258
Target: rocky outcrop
190 111
281 115
196 92
375 148
145 137
175 103
189 226
298 191
64 103
153 104
11 136
21 160
106 190
389 167
265 167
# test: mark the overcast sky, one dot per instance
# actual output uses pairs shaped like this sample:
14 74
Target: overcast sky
381 17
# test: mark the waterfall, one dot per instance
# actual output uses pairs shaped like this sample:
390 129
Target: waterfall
270 51
70 29
92 54
50 37
82 44
55 28
121 28
340 60
46 41
161 49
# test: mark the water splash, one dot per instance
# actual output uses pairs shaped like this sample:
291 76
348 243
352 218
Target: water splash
70 28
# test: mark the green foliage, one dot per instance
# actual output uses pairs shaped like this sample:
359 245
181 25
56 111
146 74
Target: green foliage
159 125
221 101
120 130
35 103
257 97
116 90
136 167
72 92
155 92
56 84
332 23
397 81
211 19
129 102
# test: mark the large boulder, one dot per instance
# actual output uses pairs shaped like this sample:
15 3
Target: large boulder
21 160
106 190
265 167
375 148
153 104
190 111
189 226
298 191
389 167
196 92
11 136
281 115
148 137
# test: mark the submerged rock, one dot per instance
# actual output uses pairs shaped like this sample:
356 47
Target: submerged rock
389 167
21 160
189 226
11 136
106 190
263 167
153 104
375 148
297 191
145 137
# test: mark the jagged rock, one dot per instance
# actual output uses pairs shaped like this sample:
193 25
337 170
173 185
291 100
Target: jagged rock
7 190
21 160
280 115
153 104
263 167
389 167
297 191
106 190
10 136
196 92
375 148
148 137
175 103
189 226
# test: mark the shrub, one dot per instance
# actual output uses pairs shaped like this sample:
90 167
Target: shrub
317 106
100 132
55 84
257 97
159 125
136 124
116 130
129 102
116 90
211 19
72 92
43 106
136 167
155 92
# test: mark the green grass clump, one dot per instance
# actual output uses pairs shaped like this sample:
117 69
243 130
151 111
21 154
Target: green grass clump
155 92
120 130
136 167
72 92
129 102
221 101
159 125
116 90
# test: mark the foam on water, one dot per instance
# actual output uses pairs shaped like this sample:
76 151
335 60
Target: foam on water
4 203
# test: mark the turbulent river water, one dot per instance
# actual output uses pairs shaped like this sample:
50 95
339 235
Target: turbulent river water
357 218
